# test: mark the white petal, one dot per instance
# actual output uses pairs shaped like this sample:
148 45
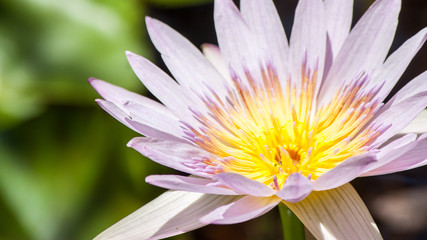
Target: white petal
418 125
172 213
214 56
336 214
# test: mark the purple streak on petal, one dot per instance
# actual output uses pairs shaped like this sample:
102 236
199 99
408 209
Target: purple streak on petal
171 153
244 185
296 188
190 184
242 210
344 172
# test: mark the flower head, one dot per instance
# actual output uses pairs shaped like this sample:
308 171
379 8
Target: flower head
258 121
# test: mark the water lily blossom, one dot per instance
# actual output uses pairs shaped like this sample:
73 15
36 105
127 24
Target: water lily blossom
257 121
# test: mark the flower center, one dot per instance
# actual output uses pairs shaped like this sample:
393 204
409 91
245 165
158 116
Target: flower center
270 129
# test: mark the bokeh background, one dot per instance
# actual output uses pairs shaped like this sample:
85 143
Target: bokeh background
65 170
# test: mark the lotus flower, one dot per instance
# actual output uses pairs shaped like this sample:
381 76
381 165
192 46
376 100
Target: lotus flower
257 121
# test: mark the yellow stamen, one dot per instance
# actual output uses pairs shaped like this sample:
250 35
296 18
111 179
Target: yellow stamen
268 132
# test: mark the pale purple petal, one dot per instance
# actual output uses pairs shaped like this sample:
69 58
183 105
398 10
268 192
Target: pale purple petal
418 125
392 151
214 56
410 100
244 185
239 47
187 64
338 21
344 172
264 21
176 155
154 118
165 88
190 184
296 188
242 210
119 96
393 68
365 48
172 213
308 39
116 112
409 158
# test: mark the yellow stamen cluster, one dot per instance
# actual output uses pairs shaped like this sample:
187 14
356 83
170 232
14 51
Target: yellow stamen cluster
266 131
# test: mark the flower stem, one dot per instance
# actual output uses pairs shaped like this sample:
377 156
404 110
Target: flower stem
293 229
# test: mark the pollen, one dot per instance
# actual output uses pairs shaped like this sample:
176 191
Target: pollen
269 129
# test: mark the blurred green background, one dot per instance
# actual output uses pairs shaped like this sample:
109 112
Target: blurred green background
65 170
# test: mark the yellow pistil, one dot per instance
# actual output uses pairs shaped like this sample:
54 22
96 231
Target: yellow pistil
266 131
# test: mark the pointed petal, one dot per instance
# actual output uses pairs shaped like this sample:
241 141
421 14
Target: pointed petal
172 154
164 88
407 157
187 64
391 71
116 112
239 47
119 96
214 56
242 210
338 22
344 172
392 151
336 214
411 100
172 213
190 184
244 185
365 48
296 188
264 22
308 39
418 125
154 118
